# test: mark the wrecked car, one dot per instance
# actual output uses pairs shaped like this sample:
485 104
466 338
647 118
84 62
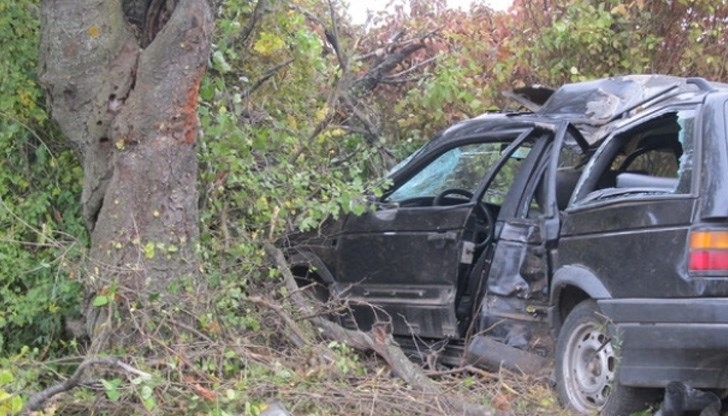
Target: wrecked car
589 236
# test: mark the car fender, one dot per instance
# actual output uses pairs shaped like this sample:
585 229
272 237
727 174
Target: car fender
581 278
573 276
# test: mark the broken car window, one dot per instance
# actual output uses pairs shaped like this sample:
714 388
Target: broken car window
654 158
462 167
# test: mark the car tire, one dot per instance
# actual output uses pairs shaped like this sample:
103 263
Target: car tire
587 361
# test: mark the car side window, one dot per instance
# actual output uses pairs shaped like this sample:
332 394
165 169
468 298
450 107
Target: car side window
653 158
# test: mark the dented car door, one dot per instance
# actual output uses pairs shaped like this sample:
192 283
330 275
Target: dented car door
515 302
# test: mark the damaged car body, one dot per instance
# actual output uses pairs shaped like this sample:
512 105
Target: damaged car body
591 233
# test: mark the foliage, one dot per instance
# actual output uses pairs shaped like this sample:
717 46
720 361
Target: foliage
272 158
585 39
40 221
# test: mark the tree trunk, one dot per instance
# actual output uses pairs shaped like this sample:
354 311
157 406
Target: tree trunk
125 96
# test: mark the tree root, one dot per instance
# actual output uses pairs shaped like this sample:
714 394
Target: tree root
379 341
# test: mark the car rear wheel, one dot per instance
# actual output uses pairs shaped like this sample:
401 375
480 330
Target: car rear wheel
587 362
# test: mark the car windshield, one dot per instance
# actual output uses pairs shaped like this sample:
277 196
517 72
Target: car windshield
404 162
462 168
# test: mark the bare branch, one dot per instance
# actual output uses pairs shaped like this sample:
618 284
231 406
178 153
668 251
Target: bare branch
297 337
389 81
413 68
38 400
268 75
253 20
372 78
332 36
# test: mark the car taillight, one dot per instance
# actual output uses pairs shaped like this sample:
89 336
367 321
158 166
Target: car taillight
709 251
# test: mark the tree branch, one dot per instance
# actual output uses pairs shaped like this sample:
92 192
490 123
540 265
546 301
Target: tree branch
297 337
372 77
38 400
253 20
268 75
332 35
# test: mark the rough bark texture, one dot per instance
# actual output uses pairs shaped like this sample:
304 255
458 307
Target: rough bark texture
126 98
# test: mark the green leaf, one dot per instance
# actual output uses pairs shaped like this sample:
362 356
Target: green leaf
100 300
218 60
9 405
6 377
111 389
149 250
146 392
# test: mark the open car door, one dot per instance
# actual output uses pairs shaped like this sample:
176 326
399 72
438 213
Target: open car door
515 305
402 262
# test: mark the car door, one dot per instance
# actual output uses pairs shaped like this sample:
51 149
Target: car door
401 262
515 302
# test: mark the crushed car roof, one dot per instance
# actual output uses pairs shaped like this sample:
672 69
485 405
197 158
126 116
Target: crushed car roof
593 107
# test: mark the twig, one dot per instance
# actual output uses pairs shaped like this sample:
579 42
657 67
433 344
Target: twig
253 20
36 401
465 369
399 75
268 75
332 35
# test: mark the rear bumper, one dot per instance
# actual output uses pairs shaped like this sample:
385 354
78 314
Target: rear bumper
664 340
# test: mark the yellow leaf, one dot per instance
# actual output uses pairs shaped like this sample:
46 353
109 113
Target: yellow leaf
94 31
149 250
268 44
619 9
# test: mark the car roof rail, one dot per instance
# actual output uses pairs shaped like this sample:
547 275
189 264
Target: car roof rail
701 83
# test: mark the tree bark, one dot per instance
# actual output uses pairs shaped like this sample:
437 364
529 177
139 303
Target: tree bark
126 99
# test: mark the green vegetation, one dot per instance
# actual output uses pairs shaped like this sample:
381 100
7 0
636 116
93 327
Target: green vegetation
288 142
41 233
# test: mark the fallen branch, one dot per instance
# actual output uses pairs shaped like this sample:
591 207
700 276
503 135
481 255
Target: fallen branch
296 336
38 400
379 341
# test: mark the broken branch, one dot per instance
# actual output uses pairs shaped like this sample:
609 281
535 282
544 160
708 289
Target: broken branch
253 20
297 337
38 400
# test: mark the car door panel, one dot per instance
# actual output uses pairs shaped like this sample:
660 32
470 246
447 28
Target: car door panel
414 290
636 247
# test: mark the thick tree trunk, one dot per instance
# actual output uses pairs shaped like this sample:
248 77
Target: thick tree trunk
131 114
